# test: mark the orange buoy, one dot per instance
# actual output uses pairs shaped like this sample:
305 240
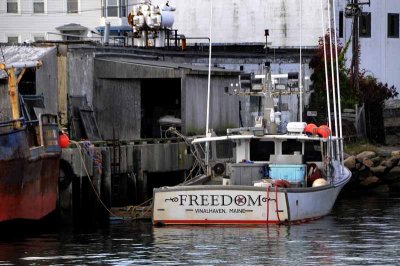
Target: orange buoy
63 140
310 129
323 131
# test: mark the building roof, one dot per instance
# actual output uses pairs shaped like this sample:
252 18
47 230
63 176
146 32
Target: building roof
17 54
71 27
200 68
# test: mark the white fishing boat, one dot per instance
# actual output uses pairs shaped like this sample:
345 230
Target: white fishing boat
270 177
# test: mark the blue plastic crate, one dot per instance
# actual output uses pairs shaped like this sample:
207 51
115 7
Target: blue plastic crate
293 173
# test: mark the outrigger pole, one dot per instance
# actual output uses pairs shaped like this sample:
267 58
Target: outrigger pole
338 88
333 31
209 88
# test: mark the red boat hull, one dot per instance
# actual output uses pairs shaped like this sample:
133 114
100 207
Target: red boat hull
28 174
28 189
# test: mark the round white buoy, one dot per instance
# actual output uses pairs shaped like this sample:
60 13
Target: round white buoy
319 182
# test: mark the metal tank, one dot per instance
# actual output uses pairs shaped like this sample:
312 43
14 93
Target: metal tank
151 23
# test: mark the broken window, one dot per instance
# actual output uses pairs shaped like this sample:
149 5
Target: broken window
393 25
38 6
72 6
12 6
365 25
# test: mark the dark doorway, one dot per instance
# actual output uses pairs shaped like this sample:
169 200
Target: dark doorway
27 85
159 98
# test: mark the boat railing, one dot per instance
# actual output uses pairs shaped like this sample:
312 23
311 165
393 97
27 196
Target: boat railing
11 122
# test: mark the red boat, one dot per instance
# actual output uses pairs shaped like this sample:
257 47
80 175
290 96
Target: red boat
29 157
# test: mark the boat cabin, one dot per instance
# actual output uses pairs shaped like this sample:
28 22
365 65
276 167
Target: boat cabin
290 157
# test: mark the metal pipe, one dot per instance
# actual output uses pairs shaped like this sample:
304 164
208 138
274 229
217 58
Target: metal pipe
106 33
209 88
333 79
300 72
326 67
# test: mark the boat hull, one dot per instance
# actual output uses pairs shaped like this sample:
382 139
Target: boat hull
209 204
28 179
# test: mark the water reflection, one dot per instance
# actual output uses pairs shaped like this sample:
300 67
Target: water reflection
360 230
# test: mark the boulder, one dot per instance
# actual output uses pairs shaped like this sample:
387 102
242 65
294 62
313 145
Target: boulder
368 163
365 154
379 170
393 174
391 161
395 153
350 162
369 181
376 160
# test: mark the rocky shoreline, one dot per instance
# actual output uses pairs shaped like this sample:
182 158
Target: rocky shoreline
374 171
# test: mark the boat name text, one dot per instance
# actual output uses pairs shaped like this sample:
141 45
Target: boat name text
217 200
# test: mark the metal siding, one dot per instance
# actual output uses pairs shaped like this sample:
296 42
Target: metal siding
117 105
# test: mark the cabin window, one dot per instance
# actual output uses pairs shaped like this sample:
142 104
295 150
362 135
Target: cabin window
393 25
38 6
312 151
290 146
365 25
12 6
72 6
261 150
341 24
224 149
12 39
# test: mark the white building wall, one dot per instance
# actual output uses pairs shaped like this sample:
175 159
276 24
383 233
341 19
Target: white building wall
244 21
379 54
26 24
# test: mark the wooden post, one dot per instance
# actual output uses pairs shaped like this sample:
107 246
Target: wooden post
106 182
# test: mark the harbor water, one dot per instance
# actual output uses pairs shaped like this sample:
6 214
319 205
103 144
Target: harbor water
361 230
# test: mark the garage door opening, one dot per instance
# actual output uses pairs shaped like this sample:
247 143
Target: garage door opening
160 99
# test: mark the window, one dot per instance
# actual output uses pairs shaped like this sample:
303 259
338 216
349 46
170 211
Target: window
114 8
123 9
341 24
72 6
393 25
12 6
38 38
12 39
38 6
365 25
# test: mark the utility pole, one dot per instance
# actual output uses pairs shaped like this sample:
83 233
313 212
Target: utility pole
353 10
